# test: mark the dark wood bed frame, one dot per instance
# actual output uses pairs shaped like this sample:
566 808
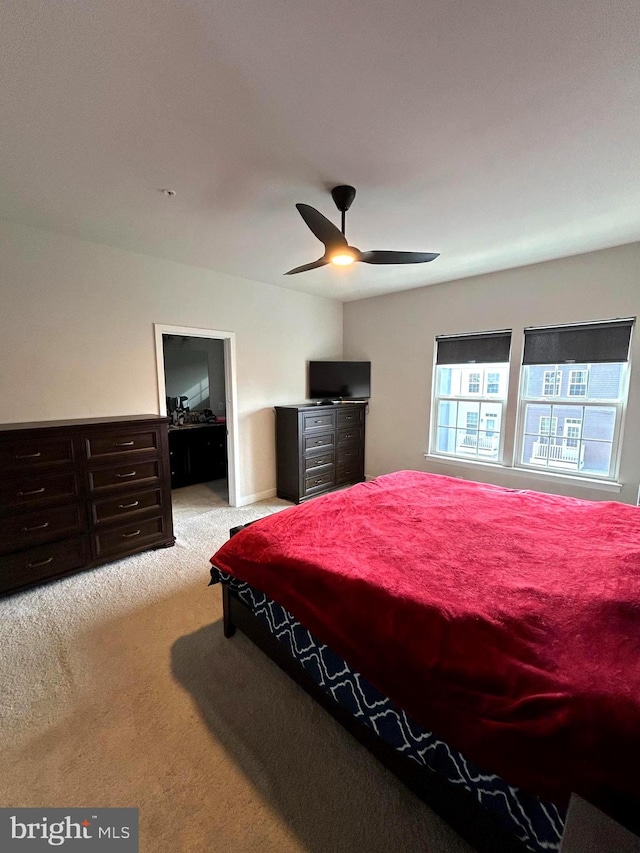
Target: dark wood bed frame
453 803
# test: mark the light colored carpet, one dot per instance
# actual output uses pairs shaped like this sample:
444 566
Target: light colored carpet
118 689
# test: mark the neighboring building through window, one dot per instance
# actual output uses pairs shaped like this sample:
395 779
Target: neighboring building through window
470 393
578 432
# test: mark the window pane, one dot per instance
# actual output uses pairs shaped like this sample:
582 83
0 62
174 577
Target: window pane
534 417
596 457
588 381
444 380
599 423
468 415
447 413
606 381
446 442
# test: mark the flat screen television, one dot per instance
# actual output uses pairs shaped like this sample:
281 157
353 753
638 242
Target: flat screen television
339 380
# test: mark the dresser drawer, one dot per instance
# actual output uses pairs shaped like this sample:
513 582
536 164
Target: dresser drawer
45 561
317 441
311 463
125 506
318 483
112 444
28 453
311 421
37 489
350 434
124 475
347 454
125 539
33 528
350 415
352 473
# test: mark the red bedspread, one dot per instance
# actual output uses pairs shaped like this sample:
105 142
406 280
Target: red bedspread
505 621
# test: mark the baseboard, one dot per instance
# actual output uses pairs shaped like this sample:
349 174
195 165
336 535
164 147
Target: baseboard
258 496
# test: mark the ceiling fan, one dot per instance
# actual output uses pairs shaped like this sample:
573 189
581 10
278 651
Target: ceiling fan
336 248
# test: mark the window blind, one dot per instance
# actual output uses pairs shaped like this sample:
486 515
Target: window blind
584 343
478 348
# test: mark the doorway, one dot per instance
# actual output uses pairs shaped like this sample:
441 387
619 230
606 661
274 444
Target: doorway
199 390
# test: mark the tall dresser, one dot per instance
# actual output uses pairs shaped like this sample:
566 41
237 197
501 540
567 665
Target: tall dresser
77 494
318 448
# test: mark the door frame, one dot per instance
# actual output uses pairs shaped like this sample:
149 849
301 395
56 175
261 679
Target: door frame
230 389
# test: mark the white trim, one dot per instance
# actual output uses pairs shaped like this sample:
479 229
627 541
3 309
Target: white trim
584 482
258 496
229 339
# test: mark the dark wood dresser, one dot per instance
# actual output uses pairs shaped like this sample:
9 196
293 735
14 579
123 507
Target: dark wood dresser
76 494
318 448
198 453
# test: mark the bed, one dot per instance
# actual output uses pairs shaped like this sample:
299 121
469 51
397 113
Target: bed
482 641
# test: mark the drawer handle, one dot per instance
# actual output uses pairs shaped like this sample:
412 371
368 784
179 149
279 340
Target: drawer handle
40 563
28 455
124 443
32 492
129 535
318 421
35 527
122 476
318 481
319 441
128 506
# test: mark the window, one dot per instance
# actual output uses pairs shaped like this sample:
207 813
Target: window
474 383
551 383
470 393
576 436
578 383
493 383
548 426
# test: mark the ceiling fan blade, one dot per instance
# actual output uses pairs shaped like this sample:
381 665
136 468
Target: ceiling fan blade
319 263
322 227
398 257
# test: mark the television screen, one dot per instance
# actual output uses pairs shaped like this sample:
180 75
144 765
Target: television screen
338 380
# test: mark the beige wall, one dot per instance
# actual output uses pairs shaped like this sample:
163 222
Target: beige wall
397 332
77 336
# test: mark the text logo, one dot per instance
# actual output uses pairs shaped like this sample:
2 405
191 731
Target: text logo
87 830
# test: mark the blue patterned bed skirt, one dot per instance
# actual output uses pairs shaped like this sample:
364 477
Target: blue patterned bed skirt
536 823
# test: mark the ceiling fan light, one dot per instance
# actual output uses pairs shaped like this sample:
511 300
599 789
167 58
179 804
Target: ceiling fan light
342 259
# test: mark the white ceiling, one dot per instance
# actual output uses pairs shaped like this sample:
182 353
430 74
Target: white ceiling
498 133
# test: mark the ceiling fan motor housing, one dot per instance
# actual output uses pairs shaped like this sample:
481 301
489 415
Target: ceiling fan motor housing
336 248
343 196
